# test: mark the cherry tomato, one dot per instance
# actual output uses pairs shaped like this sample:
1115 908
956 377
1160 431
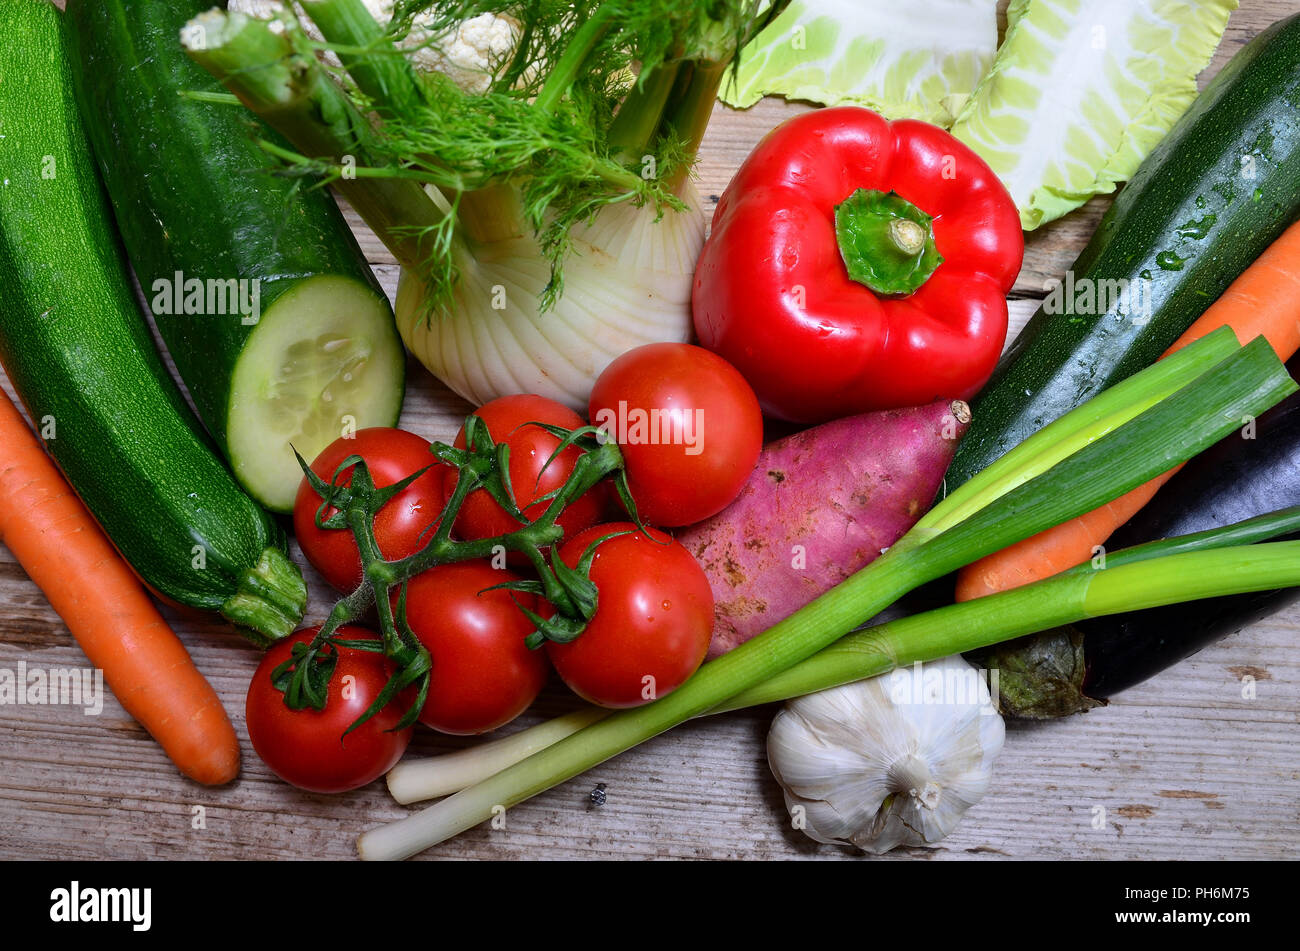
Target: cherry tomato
391 455
688 424
530 447
483 674
307 747
654 618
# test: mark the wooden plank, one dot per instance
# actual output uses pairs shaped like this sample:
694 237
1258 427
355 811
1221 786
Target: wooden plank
1183 766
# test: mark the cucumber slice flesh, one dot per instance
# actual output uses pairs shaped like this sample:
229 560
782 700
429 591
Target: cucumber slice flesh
324 360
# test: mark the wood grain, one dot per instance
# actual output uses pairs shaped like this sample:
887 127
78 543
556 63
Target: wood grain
1183 766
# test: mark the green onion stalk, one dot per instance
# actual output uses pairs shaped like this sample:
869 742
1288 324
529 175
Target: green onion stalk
1123 438
1075 595
545 223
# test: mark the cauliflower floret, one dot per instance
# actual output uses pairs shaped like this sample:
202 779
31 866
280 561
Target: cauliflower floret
470 55
258 9
467 55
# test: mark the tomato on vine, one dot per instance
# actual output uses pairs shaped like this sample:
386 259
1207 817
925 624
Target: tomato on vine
530 477
307 747
653 618
483 673
401 525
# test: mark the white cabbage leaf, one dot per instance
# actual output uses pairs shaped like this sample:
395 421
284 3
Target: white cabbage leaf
916 59
1082 90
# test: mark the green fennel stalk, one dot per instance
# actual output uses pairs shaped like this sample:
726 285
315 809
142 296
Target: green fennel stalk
599 91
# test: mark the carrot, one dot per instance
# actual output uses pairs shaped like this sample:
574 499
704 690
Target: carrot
62 549
1263 301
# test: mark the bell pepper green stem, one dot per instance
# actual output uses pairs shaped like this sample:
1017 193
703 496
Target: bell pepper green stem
886 242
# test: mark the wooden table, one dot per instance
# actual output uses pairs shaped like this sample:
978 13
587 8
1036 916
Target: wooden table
1184 766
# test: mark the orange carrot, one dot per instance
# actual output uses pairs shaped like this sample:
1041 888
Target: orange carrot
1263 301
62 549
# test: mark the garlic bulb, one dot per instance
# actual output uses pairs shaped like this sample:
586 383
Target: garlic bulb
894 760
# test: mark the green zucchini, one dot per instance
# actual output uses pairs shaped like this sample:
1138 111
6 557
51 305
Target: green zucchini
80 354
1208 200
311 348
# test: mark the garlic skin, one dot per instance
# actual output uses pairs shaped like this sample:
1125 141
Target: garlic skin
894 760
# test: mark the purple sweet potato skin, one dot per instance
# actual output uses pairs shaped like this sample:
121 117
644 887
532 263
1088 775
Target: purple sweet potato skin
819 506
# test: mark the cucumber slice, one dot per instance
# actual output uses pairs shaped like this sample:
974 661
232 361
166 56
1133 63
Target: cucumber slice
322 360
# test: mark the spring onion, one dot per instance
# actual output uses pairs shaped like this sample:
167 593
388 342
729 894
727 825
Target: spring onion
876 650
1210 404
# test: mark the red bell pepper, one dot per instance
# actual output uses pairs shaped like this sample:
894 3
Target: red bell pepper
858 264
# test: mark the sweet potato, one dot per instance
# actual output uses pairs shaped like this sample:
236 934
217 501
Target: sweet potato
820 505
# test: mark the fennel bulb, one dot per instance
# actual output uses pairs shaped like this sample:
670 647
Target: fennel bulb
627 283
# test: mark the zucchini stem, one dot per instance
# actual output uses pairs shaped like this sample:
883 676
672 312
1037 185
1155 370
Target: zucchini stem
269 600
